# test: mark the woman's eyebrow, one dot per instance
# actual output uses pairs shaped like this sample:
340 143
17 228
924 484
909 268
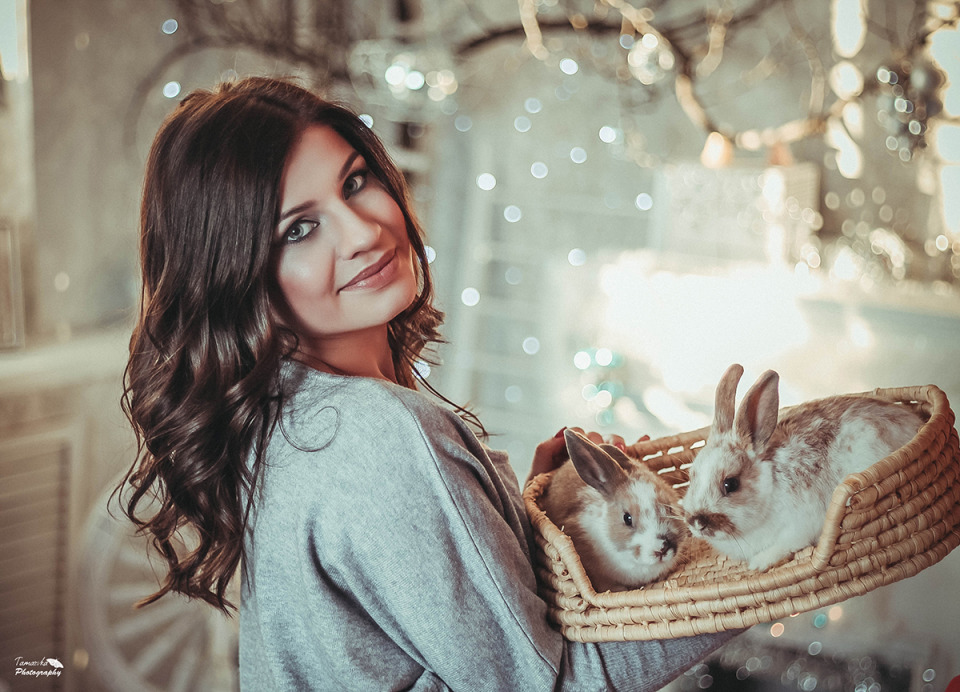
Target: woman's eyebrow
293 211
349 162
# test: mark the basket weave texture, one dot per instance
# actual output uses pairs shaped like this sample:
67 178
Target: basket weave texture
884 524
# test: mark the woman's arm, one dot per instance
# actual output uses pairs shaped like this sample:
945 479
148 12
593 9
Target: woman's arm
436 554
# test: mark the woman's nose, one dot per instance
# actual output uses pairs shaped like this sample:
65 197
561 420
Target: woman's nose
356 232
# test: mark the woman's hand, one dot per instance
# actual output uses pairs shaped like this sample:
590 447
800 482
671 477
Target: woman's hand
551 453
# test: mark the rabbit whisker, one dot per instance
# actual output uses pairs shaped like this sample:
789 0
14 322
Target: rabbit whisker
673 513
744 554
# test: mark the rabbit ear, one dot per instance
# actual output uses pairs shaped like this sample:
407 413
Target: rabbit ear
594 466
757 416
726 399
619 456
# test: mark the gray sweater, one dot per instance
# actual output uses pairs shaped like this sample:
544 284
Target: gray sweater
389 550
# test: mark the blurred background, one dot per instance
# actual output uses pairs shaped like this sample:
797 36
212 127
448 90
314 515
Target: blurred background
621 199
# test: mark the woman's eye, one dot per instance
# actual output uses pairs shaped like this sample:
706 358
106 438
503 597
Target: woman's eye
627 519
355 183
299 230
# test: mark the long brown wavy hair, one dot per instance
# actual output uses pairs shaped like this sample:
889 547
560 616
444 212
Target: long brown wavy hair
201 387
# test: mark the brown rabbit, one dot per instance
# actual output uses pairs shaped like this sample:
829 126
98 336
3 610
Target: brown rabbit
623 518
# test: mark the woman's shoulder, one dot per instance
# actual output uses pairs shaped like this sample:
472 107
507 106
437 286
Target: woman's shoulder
318 405
305 387
372 441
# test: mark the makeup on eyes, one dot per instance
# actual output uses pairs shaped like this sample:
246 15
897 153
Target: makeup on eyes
313 224
359 172
354 167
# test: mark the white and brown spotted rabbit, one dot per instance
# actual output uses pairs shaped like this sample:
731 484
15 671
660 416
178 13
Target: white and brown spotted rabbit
760 487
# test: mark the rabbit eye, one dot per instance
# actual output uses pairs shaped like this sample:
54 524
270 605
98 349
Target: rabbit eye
731 485
627 519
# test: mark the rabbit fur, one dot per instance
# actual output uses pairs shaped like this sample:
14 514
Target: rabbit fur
623 519
760 487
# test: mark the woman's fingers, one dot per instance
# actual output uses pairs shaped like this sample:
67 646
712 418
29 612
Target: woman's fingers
615 440
595 437
600 439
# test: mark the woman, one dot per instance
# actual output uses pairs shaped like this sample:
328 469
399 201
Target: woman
286 300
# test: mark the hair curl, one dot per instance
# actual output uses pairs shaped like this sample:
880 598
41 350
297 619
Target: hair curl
201 387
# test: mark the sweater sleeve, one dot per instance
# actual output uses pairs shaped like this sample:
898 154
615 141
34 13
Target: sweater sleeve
426 543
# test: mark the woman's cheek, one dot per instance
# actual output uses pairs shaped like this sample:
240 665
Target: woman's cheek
303 277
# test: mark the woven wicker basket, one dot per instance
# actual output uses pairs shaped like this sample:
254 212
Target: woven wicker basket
884 524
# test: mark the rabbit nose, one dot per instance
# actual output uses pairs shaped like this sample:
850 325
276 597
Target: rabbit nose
668 544
699 521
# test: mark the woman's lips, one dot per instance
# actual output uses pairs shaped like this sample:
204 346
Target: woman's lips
377 274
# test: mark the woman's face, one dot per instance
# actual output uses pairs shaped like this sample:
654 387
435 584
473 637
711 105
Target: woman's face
345 262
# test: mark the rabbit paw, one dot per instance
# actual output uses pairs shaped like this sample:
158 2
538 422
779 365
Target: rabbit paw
767 558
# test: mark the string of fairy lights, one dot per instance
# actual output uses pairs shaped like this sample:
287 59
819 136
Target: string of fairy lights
905 91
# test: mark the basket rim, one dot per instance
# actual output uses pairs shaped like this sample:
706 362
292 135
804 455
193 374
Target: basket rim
810 565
